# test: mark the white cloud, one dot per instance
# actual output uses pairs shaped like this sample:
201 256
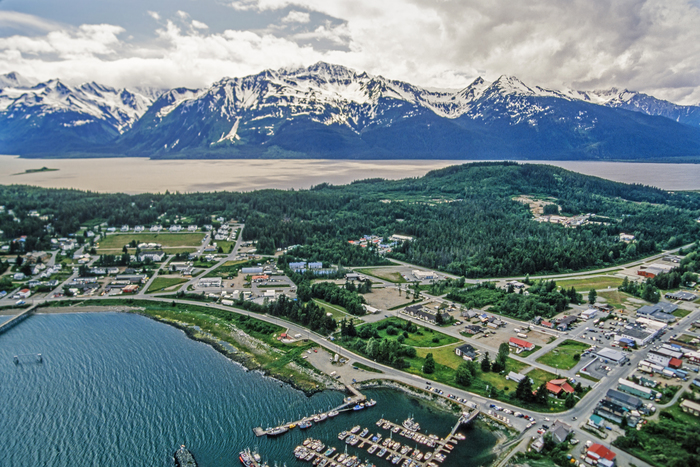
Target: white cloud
183 14
15 19
154 15
297 17
199 25
647 45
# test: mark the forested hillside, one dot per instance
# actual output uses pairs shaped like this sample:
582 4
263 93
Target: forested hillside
464 219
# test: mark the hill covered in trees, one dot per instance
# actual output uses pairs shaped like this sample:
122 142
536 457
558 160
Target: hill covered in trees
464 219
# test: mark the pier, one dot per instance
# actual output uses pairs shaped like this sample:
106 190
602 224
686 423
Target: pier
348 404
11 322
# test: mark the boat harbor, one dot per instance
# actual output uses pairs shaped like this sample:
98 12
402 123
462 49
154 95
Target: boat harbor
419 450
357 401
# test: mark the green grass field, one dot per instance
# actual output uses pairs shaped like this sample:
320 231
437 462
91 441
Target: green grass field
423 337
527 353
161 283
681 313
562 356
387 275
117 241
598 282
362 366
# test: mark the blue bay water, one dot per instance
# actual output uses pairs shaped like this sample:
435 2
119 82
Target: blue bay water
120 389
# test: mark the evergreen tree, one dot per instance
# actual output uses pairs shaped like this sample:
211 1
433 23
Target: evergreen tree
570 401
486 363
524 390
429 365
592 295
464 374
542 395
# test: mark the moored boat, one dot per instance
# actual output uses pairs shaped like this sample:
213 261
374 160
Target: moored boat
184 458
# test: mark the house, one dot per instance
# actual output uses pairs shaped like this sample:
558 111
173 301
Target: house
557 386
24 294
467 352
132 278
516 377
138 228
192 228
690 407
19 276
132 288
596 421
537 444
547 324
559 431
470 313
601 455
175 228
564 323
473 329
125 228
520 344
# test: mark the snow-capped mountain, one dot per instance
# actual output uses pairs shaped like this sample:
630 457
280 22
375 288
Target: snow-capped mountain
90 112
332 111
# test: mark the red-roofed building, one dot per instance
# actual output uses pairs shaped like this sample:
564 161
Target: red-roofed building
260 278
547 324
556 386
521 344
601 454
675 363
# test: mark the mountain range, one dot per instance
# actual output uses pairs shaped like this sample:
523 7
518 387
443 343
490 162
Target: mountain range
330 111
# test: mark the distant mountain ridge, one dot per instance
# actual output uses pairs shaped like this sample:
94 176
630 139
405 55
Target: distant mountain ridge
330 111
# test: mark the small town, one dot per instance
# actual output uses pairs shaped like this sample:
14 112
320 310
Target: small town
565 386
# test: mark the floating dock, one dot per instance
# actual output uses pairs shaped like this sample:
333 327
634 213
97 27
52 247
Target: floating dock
349 404
388 448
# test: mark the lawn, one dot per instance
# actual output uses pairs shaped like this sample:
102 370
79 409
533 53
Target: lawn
527 353
681 313
362 366
562 357
597 282
161 283
117 241
423 337
225 245
387 275
540 376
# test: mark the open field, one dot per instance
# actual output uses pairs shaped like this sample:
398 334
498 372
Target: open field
597 282
168 250
117 241
386 274
159 284
337 311
562 356
423 337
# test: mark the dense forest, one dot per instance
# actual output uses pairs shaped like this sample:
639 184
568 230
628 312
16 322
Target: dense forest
464 219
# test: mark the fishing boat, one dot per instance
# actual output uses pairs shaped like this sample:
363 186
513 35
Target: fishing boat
276 431
355 429
249 459
333 413
184 458
411 424
305 424
359 407
371 403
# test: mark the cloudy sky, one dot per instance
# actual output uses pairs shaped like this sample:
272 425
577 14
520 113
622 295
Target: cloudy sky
646 45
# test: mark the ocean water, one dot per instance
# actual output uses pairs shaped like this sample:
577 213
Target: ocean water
119 389
139 175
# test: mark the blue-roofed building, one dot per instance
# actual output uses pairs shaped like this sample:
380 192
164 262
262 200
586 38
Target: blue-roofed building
316 265
298 267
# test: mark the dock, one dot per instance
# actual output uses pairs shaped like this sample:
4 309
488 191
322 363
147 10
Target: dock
11 322
348 404
391 450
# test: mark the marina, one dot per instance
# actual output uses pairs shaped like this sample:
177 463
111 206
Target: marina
354 403
386 448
